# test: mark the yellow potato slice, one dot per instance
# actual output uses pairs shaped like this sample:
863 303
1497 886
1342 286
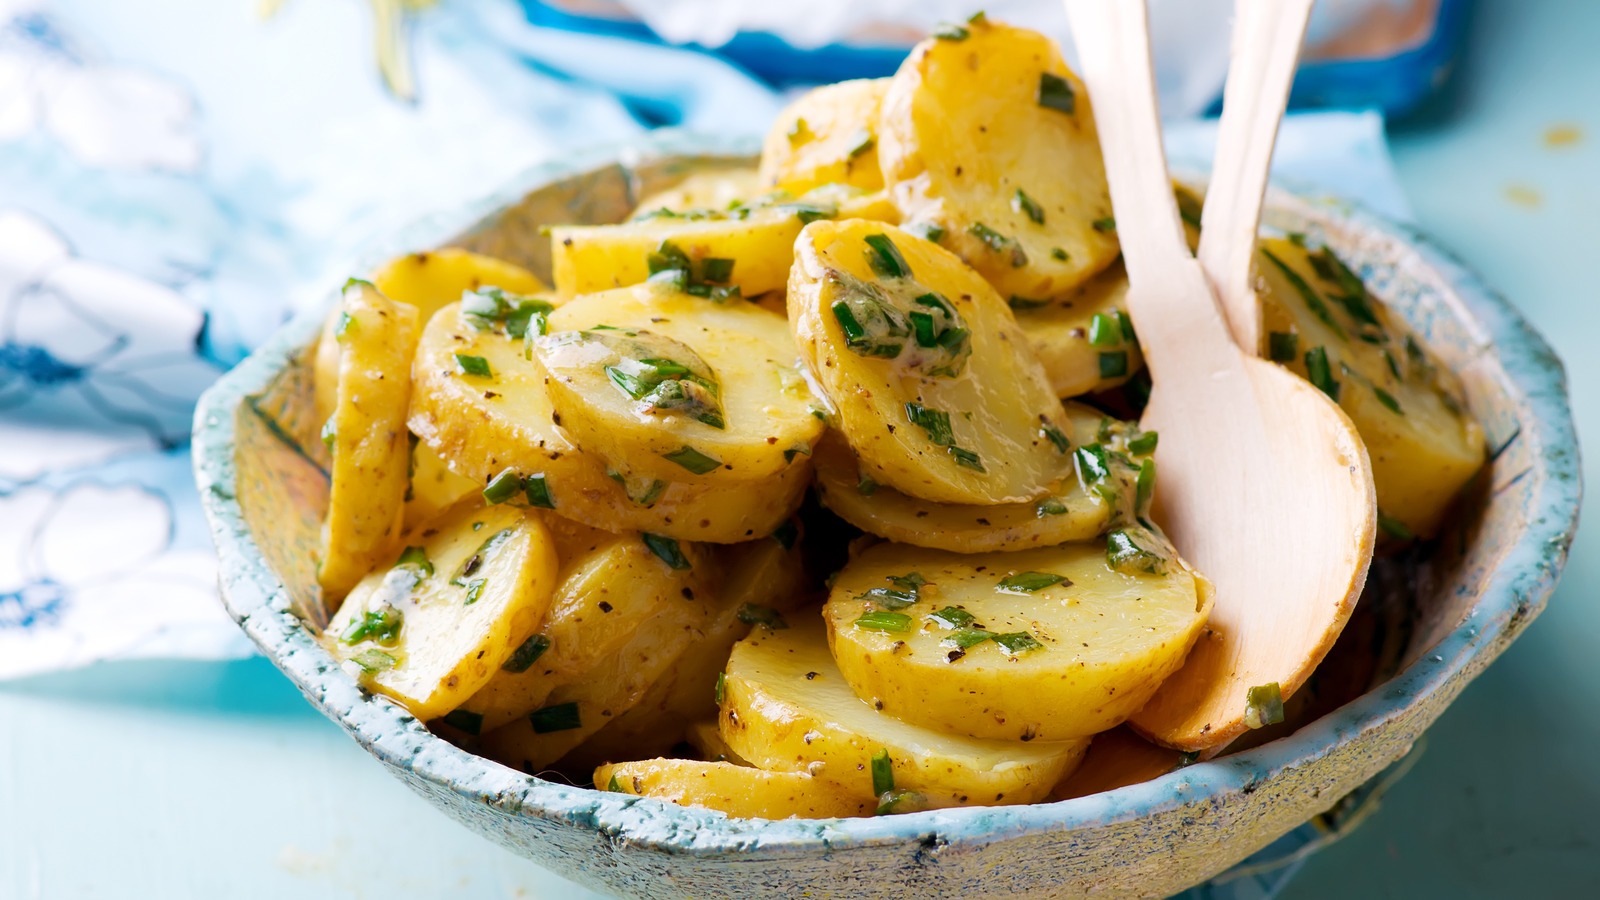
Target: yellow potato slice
992 140
707 740
366 435
827 136
434 488
605 595
755 578
662 384
431 630
786 708
1073 510
715 190
749 248
1084 339
1424 446
1059 644
735 790
932 382
487 426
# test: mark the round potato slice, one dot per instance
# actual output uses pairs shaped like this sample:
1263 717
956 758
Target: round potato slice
736 790
829 135
433 628
1084 339
991 140
366 435
717 190
787 708
434 488
934 385
500 427
1049 644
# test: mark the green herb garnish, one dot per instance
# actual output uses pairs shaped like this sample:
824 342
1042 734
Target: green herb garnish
1388 400
948 32
464 720
502 487
872 326
1113 363
1104 331
1058 254
1283 346
861 142
925 230
1092 463
952 617
1049 506
526 654
373 660
349 326
1145 487
866 487
1026 302
418 557
966 459
1133 551
1393 527
932 421
897 802
1319 374
692 459
877 620
328 434
1144 444
884 257
1029 582
882 773
1332 270
1308 294
1263 705
667 550
561 717
1188 758
756 614
786 534
722 687
475 590
1104 224
1017 643
888 598
614 786
1056 93
716 270
967 638
474 365
999 243
381 625
1022 203
537 490
1054 435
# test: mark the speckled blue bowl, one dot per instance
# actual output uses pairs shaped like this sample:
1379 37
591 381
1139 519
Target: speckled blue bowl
1487 579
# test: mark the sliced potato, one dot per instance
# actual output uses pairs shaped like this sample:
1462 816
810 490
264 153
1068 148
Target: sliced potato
1424 446
367 436
603 598
430 630
991 138
933 383
827 136
665 385
1084 339
485 426
736 790
1059 644
434 488
707 740
716 190
435 278
1073 510
755 577
787 708
758 240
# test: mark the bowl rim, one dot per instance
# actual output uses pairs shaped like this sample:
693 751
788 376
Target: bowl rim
1512 594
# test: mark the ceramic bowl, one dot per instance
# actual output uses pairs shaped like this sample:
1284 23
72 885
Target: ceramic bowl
1469 598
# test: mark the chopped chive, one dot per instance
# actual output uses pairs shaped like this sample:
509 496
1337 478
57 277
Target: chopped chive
882 773
1092 463
1026 302
1145 487
416 556
756 614
381 625
1022 203
807 212
978 18
1054 435
475 590
888 599
692 459
1124 554
967 638
614 786
526 654
667 550
502 487
716 269
1058 254
1056 93
1308 294
861 141
667 257
1188 758
373 660
923 329
1028 582
892 803
1283 346
911 581
966 459
1394 527
925 230
1394 365
1332 270
349 326
999 243
1017 643
792 452
877 620
474 365
1104 331
948 32
537 489
1144 444
1113 363
329 435
786 534
1263 705
951 617
465 720
866 487
1126 324
1388 400
722 687
1104 224
561 717
885 258
932 421
1049 506
1319 374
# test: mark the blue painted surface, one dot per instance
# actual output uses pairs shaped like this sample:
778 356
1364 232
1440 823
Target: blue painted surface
217 780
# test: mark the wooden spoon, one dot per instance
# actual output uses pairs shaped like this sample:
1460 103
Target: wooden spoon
1264 484
1266 45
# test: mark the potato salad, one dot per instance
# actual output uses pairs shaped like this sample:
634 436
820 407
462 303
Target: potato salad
815 488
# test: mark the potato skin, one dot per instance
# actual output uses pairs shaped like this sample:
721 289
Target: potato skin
838 143
962 129
1423 444
370 446
735 790
483 427
1138 629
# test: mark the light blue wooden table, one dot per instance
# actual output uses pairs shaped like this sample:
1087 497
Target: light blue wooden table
185 781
